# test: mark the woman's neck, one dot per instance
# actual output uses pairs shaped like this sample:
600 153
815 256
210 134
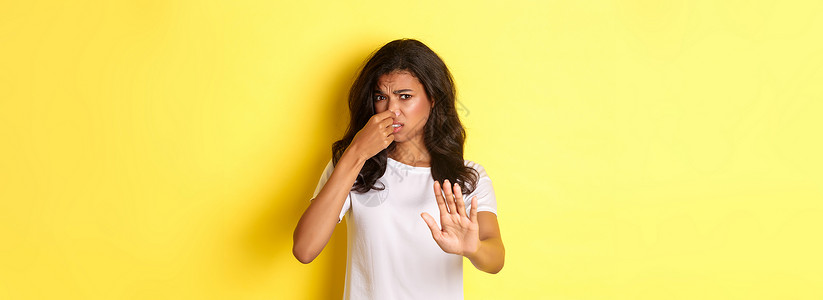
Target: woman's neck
410 153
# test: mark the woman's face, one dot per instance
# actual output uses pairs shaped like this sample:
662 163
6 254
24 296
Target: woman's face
399 91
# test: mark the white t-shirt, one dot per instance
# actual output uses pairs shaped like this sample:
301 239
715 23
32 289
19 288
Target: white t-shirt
391 253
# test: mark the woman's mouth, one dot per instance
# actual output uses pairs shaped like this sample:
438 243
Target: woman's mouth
397 126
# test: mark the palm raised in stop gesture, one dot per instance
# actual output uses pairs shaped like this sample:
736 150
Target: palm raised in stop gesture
459 232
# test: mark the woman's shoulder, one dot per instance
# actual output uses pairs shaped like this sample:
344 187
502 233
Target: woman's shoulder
477 166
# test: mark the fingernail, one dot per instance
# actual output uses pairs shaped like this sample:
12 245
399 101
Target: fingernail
397 113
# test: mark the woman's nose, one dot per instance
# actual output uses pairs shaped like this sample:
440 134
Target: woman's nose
394 104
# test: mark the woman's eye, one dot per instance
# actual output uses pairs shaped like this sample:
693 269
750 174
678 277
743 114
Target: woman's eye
379 97
405 96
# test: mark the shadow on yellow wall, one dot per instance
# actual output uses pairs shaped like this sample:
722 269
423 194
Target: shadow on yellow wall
269 236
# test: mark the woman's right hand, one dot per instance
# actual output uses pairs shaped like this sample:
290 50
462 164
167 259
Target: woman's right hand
375 136
317 223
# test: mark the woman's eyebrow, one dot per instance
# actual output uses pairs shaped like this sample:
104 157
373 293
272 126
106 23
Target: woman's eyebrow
395 92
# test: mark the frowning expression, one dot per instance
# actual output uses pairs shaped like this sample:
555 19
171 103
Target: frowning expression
401 91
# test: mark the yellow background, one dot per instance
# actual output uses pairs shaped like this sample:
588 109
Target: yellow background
639 149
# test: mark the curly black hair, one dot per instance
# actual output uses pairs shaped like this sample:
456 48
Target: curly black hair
444 134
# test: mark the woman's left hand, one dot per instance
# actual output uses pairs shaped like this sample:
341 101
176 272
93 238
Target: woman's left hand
459 233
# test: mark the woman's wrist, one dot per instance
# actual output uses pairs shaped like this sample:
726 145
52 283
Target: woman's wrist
354 156
473 254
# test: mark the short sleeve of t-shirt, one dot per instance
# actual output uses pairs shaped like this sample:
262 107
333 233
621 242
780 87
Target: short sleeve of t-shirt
322 182
486 200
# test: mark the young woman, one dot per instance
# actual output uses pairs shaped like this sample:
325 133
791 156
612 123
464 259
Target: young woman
414 206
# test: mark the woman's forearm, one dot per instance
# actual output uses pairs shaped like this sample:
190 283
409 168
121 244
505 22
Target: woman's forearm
489 256
317 224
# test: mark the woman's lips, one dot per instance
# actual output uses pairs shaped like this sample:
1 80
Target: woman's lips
396 126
